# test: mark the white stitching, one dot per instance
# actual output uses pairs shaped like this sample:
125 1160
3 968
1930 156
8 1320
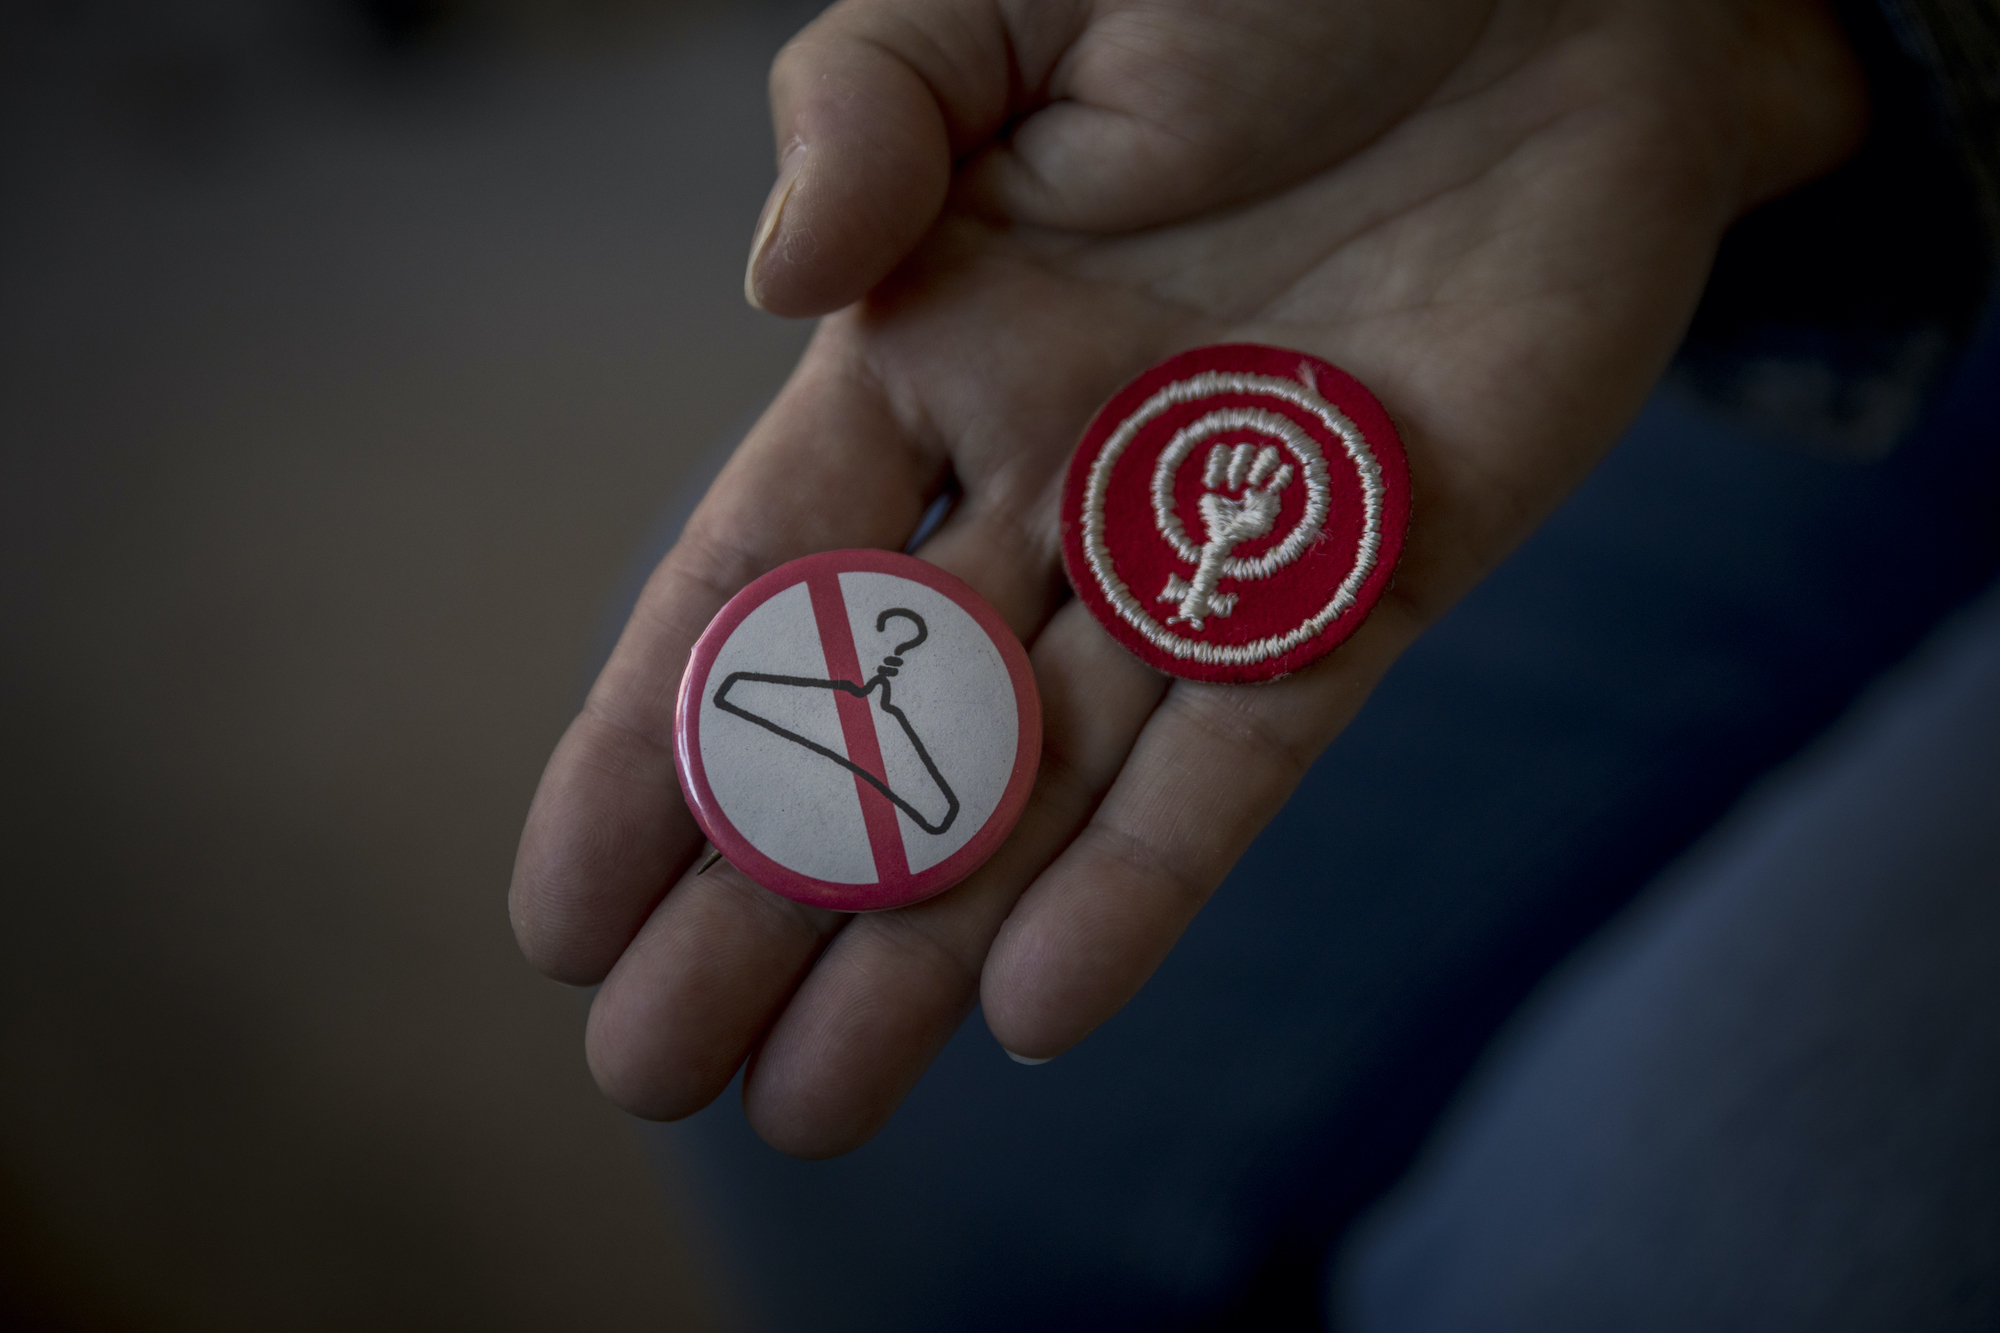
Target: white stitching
1303 447
1206 385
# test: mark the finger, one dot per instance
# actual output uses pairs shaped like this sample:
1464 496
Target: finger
1241 465
871 104
1266 464
894 986
1212 765
827 467
695 990
1218 468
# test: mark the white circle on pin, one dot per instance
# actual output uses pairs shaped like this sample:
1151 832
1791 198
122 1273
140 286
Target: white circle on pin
857 730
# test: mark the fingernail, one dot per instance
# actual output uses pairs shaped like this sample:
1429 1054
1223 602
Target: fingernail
767 222
1024 1060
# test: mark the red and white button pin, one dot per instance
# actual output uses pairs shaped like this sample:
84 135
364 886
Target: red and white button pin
857 730
1234 513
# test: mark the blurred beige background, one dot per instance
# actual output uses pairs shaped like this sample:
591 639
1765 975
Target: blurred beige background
347 350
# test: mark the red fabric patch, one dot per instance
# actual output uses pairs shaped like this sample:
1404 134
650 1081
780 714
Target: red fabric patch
1234 513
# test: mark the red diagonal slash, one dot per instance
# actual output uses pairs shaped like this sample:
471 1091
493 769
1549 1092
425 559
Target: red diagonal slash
857 726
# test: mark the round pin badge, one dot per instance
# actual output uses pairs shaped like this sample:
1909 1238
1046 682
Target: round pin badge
1234 513
857 730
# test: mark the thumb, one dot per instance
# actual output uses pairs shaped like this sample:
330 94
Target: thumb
871 104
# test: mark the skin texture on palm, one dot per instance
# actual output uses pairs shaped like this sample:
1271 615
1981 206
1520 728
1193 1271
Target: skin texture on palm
1499 216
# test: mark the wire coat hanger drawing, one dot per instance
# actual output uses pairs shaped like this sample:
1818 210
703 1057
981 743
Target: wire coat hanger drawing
879 681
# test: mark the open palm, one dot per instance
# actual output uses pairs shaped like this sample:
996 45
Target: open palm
1498 214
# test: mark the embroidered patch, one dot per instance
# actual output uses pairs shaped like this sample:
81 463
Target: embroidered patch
1234 513
857 730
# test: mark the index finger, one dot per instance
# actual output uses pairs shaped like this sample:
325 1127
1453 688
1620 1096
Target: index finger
829 466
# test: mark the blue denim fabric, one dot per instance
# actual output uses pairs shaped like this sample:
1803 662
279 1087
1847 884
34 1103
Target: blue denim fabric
1705 605
1769 1097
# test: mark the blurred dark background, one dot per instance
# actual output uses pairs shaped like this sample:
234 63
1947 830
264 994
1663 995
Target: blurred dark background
347 350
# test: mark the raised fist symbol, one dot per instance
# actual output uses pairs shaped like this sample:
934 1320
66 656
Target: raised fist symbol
1244 485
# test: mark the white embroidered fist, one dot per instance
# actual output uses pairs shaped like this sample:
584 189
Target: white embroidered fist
1245 487
1259 478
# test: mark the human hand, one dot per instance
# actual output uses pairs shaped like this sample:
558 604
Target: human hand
1498 214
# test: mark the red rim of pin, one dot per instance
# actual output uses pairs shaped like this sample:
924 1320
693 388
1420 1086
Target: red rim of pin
896 884
1136 544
